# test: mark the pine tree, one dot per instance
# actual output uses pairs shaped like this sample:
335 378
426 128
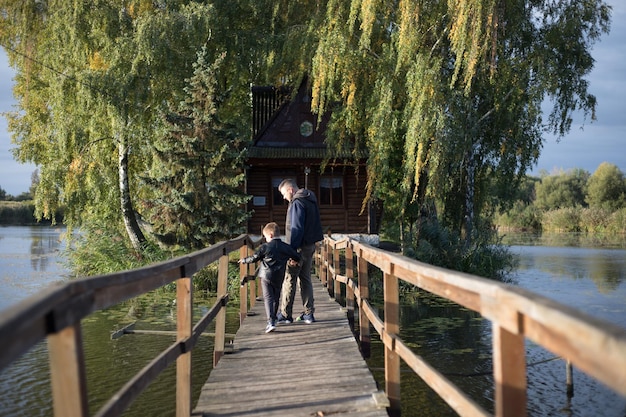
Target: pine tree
196 177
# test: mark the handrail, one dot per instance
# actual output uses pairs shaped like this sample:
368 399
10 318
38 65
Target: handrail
595 346
56 312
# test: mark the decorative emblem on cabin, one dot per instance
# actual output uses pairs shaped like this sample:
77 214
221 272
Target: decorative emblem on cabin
306 128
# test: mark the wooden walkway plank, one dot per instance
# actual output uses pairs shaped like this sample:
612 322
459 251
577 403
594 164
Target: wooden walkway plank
297 370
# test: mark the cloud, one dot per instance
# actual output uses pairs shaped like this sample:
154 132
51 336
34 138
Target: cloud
589 143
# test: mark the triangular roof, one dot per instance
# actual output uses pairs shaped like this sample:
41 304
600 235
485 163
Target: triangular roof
285 128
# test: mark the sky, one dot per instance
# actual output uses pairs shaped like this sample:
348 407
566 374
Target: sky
586 146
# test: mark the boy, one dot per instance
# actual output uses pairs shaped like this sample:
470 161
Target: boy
274 256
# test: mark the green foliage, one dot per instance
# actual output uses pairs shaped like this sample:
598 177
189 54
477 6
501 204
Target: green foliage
486 257
22 212
102 249
452 113
607 188
558 205
521 216
562 220
566 189
617 223
595 220
196 197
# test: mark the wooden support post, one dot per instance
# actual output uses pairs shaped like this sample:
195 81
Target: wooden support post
349 291
67 372
364 322
509 372
220 319
569 379
337 267
392 328
252 287
324 260
184 326
244 270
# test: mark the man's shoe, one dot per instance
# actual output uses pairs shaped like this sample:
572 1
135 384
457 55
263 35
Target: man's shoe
280 319
270 327
307 318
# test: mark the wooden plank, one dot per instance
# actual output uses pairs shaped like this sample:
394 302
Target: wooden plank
67 373
392 328
297 370
509 372
220 320
184 327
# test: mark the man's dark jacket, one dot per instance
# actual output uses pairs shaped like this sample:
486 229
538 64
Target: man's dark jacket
303 226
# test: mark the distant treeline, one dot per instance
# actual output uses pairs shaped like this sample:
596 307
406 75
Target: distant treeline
22 213
572 201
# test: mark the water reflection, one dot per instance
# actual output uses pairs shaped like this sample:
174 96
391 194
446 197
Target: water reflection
458 342
605 267
41 247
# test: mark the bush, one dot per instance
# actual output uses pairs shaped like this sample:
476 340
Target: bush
22 213
594 220
562 220
617 222
17 213
486 256
522 217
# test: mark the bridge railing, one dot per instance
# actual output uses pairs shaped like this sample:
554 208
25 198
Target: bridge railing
595 346
56 313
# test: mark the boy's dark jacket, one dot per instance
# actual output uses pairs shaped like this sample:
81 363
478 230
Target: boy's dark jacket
273 256
303 226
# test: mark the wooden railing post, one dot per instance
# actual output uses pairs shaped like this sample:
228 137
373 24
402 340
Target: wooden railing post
252 287
392 328
220 319
184 327
244 271
337 267
67 372
364 322
323 263
349 291
509 372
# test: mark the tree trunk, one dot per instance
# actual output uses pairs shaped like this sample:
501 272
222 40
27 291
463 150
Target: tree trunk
469 196
137 239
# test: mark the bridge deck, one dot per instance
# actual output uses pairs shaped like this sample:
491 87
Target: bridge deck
298 370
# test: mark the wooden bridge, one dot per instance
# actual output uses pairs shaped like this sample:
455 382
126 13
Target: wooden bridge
321 360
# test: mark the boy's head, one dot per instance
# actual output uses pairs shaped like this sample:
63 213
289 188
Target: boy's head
271 230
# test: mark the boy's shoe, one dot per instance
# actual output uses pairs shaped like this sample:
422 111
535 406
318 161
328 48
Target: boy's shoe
307 318
280 319
270 327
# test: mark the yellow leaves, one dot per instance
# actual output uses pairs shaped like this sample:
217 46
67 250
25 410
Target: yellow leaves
472 31
368 19
408 35
96 63
137 8
351 92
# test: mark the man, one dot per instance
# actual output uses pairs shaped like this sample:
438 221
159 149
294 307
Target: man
303 229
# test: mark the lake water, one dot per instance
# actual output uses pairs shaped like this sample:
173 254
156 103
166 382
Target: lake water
455 340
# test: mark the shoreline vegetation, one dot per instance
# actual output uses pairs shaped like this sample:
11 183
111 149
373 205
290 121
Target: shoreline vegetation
22 213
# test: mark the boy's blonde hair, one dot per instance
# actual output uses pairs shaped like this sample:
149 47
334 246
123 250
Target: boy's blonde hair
272 229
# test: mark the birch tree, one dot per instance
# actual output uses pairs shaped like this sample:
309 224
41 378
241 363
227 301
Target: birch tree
90 77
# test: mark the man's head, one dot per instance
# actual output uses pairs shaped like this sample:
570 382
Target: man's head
288 188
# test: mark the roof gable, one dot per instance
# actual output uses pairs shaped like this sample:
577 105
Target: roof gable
283 122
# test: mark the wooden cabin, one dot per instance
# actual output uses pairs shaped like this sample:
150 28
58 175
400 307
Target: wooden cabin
288 144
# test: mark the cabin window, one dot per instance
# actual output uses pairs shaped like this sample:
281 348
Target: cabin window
331 190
